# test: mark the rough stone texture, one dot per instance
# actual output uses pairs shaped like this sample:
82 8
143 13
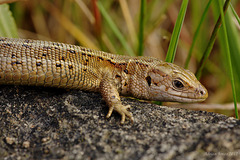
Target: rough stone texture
50 123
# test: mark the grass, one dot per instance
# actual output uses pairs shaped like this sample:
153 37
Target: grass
150 28
141 28
176 32
211 42
8 26
229 61
115 29
196 34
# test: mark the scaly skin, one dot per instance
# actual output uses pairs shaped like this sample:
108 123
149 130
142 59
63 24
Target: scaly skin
42 63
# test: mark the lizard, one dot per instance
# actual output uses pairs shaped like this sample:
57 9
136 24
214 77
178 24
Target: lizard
53 64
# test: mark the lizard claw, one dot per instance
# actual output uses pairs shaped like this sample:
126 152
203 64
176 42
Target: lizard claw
122 110
110 112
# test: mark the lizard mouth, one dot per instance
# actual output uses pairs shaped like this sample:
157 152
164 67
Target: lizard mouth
189 100
173 98
197 95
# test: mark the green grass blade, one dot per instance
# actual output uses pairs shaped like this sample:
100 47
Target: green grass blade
229 58
141 28
196 34
115 30
211 42
235 14
176 32
8 26
234 47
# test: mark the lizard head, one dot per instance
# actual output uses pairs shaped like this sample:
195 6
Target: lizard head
168 82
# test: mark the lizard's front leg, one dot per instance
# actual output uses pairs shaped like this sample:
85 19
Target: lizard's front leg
110 94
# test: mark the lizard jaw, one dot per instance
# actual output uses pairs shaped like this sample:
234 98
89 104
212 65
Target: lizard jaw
195 95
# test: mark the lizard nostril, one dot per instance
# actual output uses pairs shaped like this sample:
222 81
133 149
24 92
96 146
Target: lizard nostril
203 93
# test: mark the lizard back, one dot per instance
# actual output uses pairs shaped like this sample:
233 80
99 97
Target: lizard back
34 62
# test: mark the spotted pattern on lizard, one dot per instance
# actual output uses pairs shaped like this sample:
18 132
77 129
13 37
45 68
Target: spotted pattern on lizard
52 64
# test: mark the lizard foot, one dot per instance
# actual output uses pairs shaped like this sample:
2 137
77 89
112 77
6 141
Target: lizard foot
121 109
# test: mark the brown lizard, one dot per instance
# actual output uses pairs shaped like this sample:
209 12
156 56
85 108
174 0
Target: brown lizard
42 63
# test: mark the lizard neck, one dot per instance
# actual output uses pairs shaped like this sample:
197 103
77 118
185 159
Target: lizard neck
133 77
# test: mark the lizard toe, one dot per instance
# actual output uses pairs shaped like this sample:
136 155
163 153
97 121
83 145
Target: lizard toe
123 110
110 112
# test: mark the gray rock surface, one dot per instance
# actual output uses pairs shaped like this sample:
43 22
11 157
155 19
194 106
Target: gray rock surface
50 123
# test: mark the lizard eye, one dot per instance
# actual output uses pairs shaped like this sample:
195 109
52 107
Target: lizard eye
177 84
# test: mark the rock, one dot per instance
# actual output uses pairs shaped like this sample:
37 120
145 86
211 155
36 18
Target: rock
50 123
